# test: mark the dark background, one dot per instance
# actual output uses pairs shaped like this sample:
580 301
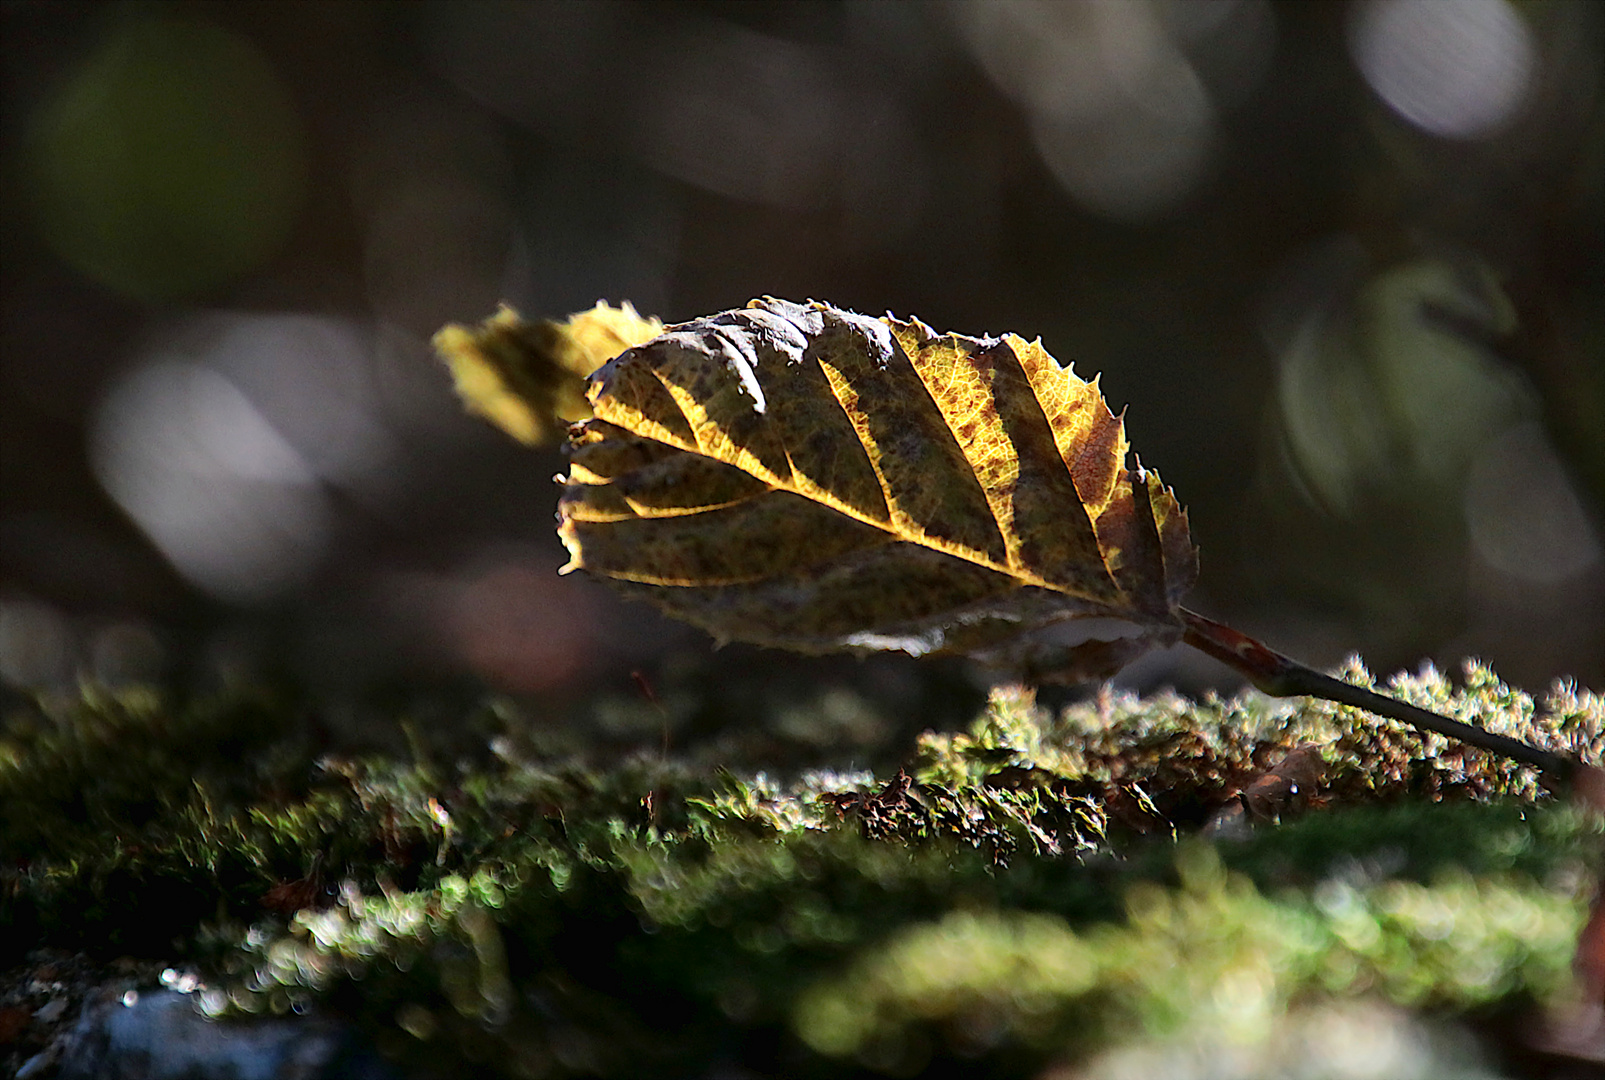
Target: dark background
1343 262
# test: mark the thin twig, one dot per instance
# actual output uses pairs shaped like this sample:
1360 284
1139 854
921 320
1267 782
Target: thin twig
1280 676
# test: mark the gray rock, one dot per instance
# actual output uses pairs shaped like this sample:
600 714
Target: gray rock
158 1035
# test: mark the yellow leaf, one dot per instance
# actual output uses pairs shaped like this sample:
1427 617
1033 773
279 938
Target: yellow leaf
802 476
529 378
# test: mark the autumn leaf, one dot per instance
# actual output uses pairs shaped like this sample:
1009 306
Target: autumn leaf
528 378
801 476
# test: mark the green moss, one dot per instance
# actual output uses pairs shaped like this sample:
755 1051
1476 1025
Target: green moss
1019 895
1214 952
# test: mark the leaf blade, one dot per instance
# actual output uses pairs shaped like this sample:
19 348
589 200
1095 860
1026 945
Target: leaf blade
528 378
804 476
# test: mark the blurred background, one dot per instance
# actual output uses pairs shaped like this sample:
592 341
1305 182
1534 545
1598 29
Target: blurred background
1344 262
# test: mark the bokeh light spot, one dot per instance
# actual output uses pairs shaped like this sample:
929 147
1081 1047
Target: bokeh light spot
170 161
36 644
1119 108
519 625
1457 68
230 503
1387 384
1524 517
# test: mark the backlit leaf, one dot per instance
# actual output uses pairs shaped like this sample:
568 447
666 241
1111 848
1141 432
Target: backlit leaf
801 476
528 378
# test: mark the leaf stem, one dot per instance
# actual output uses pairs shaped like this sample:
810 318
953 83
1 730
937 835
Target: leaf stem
1279 676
